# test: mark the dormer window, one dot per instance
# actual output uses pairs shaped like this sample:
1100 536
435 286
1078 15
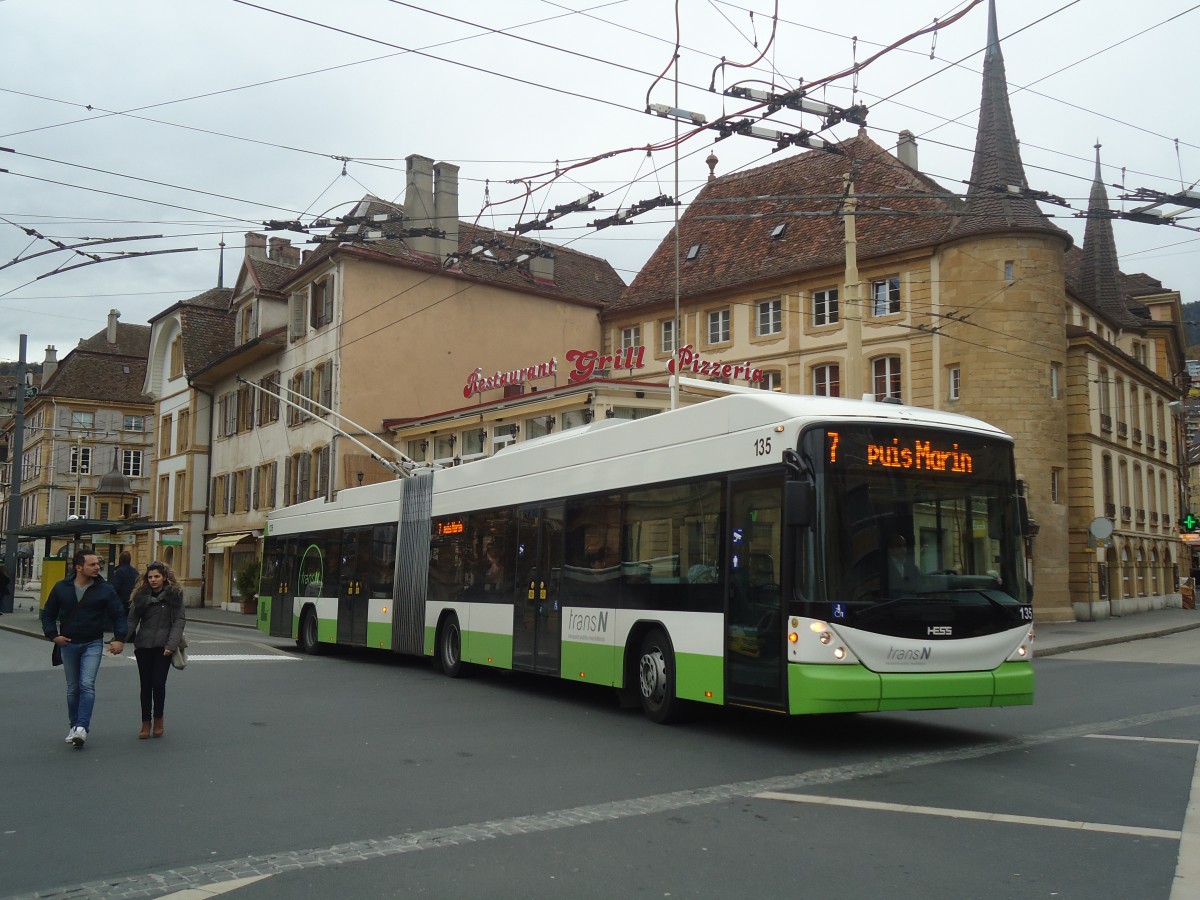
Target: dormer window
779 231
693 252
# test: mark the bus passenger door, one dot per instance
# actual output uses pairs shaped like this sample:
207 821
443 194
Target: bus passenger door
278 580
754 634
537 614
352 595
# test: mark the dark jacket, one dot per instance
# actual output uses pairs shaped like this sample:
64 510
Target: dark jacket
157 623
102 610
122 580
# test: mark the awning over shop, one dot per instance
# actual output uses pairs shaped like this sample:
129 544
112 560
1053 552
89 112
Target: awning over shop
221 541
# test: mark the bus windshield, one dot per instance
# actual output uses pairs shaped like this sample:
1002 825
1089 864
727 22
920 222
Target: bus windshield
917 528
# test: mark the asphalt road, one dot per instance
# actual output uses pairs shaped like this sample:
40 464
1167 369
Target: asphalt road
361 775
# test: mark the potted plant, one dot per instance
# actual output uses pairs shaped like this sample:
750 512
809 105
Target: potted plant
246 581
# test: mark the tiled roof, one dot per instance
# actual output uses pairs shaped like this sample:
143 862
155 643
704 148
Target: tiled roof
732 219
213 298
132 340
85 374
1128 313
577 276
207 334
997 163
1100 281
271 276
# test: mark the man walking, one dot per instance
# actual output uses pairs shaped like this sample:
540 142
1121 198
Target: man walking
74 618
122 579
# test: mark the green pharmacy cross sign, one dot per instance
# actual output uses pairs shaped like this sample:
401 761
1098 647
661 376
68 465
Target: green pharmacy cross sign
1190 522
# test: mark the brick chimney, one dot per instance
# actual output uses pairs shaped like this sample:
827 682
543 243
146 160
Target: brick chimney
256 246
113 315
906 149
49 364
419 211
445 205
282 253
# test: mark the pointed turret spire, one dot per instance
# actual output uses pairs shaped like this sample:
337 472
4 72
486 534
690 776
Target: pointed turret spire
994 202
1100 275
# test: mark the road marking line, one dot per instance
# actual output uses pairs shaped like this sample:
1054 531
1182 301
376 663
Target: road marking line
1187 868
971 814
239 657
1149 740
213 890
595 813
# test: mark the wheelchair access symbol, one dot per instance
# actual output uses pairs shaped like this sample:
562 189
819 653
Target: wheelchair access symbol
839 611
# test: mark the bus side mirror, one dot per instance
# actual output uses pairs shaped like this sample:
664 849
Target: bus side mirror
799 499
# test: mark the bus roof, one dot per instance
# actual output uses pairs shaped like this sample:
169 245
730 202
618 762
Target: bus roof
610 453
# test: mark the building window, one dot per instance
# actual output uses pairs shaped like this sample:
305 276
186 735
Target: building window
131 463
825 307
81 460
83 419
416 450
164 493
827 381
297 302
1008 270
135 423
181 504
666 335
245 408
631 337
103 511
1055 485
78 505
772 381
321 308
268 399
183 436
1056 381
443 447
175 366
885 297
955 387
770 317
474 441
886 373
718 326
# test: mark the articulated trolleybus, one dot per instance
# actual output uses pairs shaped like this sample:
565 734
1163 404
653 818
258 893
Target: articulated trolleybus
787 553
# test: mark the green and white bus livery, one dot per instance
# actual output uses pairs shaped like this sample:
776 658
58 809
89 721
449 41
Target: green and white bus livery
787 553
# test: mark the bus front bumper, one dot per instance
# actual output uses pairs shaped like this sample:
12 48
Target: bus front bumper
854 688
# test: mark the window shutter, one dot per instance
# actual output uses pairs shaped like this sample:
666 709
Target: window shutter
327 309
288 476
253 320
296 327
307 388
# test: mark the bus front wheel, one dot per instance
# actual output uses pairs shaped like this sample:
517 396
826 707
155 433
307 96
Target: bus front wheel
656 678
308 633
450 648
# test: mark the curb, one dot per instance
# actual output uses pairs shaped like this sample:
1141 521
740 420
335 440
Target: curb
1108 641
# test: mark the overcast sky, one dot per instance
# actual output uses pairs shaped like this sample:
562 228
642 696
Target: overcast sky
195 120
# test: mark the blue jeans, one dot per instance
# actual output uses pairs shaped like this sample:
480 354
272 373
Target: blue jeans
81 662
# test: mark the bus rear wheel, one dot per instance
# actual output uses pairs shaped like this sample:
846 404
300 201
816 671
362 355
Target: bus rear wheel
307 640
449 649
656 679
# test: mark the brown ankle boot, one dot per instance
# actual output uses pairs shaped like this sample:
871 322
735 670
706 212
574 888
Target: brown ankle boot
145 732
158 727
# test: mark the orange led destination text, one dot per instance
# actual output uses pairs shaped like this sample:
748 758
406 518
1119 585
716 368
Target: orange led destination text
921 455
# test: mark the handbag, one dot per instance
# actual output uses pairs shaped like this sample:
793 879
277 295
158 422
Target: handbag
179 658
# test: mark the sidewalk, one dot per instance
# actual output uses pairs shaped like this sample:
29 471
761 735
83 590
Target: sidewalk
1052 639
24 618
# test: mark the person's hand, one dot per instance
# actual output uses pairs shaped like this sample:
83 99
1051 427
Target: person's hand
116 647
168 652
60 640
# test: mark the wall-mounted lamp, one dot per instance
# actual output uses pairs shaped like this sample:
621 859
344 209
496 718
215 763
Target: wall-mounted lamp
550 422
641 395
514 430
588 415
360 479
453 439
482 436
424 445
610 413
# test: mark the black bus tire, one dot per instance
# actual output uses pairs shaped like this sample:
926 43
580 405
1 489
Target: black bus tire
307 640
449 647
656 679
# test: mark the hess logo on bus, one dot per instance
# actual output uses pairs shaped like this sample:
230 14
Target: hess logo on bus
940 630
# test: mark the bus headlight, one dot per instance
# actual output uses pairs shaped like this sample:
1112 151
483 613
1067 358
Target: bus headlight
825 637
839 653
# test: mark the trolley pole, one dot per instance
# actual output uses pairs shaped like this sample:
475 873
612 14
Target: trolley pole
15 476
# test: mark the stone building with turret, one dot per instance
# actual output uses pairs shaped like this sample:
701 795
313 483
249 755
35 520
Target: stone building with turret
848 270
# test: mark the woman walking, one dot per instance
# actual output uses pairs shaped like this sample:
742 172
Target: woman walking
156 620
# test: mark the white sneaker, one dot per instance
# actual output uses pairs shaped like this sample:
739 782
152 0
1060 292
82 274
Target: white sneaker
70 735
78 735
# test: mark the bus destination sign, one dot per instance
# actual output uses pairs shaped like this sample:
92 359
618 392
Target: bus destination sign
898 452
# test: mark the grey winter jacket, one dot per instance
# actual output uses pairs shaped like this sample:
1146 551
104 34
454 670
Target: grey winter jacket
157 623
